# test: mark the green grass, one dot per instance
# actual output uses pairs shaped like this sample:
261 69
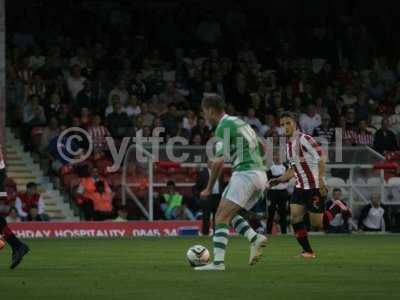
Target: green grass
347 267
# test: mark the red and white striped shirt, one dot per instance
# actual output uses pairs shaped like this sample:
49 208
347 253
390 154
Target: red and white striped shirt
304 154
363 138
98 135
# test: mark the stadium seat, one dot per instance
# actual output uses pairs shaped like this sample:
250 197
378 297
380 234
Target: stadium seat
374 181
394 181
335 182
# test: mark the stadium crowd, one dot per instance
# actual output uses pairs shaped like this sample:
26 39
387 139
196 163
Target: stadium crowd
124 75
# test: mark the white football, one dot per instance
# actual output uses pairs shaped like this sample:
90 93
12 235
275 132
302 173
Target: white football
198 255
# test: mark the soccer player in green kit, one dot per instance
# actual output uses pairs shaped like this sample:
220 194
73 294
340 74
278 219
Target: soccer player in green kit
245 187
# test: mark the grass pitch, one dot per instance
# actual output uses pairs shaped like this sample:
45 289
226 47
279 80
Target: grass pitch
347 267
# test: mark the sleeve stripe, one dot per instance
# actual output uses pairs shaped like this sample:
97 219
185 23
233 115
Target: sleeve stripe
314 144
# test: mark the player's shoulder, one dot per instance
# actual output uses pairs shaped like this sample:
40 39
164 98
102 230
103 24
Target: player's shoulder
306 138
229 121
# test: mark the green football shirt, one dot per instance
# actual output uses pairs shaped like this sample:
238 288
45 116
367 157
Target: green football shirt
238 142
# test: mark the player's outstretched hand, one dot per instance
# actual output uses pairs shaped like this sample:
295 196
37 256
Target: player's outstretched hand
205 193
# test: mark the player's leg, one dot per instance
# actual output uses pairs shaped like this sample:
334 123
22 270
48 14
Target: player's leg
282 210
317 220
296 216
19 249
225 212
271 209
249 189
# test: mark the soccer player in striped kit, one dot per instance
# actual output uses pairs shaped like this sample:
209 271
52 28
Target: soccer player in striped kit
19 249
307 165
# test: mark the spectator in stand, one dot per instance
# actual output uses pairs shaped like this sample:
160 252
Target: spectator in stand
98 133
202 129
102 201
325 131
310 120
170 120
196 140
33 116
81 58
30 199
36 60
94 195
361 108
85 117
54 107
337 213
37 87
172 204
15 91
170 96
118 121
385 139
75 82
57 153
350 118
146 115
137 85
86 97
252 120
376 89
133 107
349 99
115 100
13 216
362 136
121 90
270 123
374 216
189 121
49 132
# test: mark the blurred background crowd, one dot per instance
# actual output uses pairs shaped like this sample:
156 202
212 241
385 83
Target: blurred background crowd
122 68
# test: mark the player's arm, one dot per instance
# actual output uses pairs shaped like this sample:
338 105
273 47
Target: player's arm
217 164
315 149
216 169
289 174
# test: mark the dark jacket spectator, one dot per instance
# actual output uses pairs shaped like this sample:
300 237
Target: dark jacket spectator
385 139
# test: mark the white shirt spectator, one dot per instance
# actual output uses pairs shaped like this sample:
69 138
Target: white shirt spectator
24 214
375 219
133 110
75 85
309 123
